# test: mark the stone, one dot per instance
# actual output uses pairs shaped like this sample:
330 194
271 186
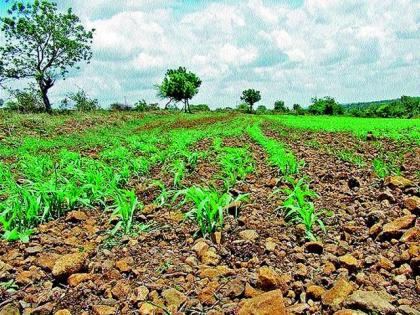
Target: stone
407 310
234 288
149 209
217 237
44 309
29 276
328 268
174 298
250 291
385 263
76 216
69 264
315 292
349 262
349 312
270 245
394 228
268 278
63 312
301 270
338 293
125 264
46 261
411 235
210 257
269 303
370 301
104 310
147 309
77 278
412 203
218 271
206 295
314 247
33 250
397 182
249 235
141 293
10 309
121 289
299 308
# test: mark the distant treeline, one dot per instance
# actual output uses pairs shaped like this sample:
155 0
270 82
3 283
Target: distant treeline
406 106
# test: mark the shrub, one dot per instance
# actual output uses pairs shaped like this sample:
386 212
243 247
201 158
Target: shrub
261 110
200 108
119 107
28 100
142 106
82 102
243 108
280 107
325 106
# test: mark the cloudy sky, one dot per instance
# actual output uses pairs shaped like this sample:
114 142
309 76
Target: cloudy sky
292 50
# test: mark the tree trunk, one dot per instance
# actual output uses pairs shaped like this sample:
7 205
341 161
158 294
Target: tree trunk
46 100
44 85
187 106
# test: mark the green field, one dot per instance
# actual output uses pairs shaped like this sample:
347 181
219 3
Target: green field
394 128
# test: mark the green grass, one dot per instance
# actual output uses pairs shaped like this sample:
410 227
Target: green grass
394 128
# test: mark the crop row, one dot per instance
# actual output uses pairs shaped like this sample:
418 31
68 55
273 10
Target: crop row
298 206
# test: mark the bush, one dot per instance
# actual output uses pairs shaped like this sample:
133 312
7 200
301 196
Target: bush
298 110
325 106
200 108
119 107
243 108
81 101
28 100
261 110
280 107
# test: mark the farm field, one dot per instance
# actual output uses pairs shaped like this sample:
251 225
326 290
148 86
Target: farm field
211 213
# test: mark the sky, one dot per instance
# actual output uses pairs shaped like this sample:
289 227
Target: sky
293 50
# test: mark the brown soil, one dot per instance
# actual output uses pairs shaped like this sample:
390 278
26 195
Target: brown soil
124 273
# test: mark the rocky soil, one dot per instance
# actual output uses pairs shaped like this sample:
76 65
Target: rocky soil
367 263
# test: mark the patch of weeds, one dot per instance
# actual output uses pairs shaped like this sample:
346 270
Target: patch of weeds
313 144
164 267
10 286
387 165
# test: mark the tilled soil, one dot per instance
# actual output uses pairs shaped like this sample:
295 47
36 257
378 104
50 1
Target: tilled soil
372 244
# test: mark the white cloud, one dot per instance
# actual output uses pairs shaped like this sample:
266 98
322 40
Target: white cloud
322 47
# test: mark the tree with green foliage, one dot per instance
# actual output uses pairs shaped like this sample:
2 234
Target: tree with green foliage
82 102
298 109
261 110
280 107
251 97
325 106
200 108
179 85
43 44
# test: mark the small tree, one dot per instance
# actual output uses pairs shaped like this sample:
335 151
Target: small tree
42 44
280 107
82 102
298 109
325 106
179 85
251 97
261 110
